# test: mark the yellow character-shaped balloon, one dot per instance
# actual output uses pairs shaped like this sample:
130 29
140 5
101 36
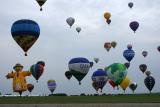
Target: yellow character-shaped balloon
19 78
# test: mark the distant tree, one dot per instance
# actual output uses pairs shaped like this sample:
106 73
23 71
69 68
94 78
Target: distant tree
83 94
104 94
95 94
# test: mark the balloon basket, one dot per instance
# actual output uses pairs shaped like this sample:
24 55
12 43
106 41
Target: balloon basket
41 9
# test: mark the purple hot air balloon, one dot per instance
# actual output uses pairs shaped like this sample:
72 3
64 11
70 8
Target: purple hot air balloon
134 25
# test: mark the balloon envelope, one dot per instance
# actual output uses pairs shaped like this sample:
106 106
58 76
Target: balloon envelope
78 29
125 83
133 86
51 85
96 60
99 77
107 15
70 21
130 4
37 70
148 73
116 72
149 82
79 67
143 67
107 46
128 54
127 64
129 46
41 3
30 87
113 44
144 53
134 25
25 32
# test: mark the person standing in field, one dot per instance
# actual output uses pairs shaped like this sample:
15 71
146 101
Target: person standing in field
19 78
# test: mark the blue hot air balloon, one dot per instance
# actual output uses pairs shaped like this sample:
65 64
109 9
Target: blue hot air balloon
79 67
25 32
129 54
99 78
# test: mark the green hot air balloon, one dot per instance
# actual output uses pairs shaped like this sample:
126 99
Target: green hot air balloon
116 72
113 44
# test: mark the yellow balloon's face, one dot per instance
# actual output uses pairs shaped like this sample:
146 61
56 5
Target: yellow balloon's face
17 69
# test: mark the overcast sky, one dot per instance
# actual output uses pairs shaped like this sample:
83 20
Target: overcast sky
58 43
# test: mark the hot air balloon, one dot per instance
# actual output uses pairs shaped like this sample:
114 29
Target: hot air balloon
116 72
96 60
109 21
107 46
158 48
51 85
144 53
107 15
149 82
91 64
130 4
79 67
99 77
37 70
127 64
148 73
112 83
125 83
70 21
143 67
134 25
41 3
129 46
113 44
78 29
133 86
129 54
30 87
68 75
25 32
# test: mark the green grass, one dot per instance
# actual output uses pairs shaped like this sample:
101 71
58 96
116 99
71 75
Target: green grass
141 98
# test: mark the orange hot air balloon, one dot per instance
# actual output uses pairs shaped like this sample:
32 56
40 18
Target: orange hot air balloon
107 15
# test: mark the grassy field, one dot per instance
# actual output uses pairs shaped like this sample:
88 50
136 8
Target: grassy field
141 98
